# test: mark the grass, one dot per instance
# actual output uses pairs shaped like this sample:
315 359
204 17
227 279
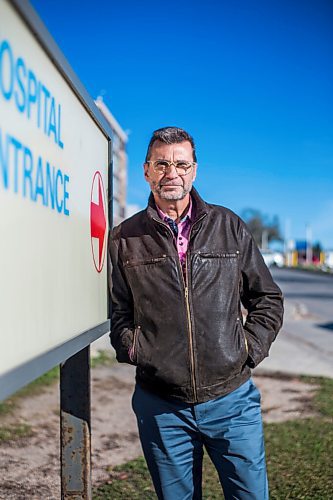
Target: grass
15 431
299 455
49 378
299 459
129 481
12 432
7 407
323 399
102 358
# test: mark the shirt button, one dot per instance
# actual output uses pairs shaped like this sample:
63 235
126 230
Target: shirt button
181 243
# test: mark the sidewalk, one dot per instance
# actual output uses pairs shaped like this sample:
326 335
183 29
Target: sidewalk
302 347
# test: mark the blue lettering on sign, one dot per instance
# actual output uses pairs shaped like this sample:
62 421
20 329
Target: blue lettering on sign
39 190
32 91
4 153
27 170
6 62
20 84
45 100
66 195
58 202
32 177
17 147
20 74
49 185
52 121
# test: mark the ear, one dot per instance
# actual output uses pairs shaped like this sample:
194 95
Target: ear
194 172
145 169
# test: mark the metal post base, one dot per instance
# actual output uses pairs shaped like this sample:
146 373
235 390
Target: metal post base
75 427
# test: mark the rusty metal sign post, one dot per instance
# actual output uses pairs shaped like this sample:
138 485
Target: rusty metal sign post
75 430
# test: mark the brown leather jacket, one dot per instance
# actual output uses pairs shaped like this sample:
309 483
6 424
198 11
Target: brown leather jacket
186 335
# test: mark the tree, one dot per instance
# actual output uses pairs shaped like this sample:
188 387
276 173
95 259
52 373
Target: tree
262 228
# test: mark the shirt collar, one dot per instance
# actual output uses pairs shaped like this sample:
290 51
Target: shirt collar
187 216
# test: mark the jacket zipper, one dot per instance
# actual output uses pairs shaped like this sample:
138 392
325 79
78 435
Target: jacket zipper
190 336
190 332
188 313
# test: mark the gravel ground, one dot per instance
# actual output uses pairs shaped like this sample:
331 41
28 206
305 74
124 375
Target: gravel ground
29 466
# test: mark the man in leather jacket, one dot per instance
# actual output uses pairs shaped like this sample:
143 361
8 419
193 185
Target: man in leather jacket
181 270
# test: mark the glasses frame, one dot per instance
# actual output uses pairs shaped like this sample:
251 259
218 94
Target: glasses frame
191 164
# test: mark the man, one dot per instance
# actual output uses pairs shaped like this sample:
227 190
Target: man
180 271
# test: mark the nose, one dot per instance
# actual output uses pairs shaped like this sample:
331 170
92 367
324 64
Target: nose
171 172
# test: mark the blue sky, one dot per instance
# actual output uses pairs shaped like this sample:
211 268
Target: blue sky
250 80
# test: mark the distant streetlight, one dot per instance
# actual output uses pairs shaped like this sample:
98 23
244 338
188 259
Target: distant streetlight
287 232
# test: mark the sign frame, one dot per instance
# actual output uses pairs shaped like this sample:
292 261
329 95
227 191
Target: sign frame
21 375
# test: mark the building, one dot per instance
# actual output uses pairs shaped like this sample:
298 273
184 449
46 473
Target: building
119 159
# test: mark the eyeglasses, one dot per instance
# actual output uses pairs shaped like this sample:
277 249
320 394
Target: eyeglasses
182 167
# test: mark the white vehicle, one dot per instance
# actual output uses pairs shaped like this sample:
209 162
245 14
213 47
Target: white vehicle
329 259
272 258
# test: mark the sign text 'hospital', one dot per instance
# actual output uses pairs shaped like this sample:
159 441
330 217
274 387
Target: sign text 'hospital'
22 169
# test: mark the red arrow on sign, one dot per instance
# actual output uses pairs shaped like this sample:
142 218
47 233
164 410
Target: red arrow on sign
98 221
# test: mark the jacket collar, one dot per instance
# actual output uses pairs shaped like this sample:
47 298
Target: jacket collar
200 207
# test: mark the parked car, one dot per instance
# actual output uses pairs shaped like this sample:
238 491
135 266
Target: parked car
328 262
272 258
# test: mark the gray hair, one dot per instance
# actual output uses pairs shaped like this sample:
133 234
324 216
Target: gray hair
170 135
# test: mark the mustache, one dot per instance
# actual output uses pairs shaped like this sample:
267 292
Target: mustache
169 184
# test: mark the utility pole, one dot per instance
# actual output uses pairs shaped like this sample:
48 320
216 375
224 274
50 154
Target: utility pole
286 243
264 239
308 244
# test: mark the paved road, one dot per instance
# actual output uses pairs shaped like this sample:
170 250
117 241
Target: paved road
305 344
315 291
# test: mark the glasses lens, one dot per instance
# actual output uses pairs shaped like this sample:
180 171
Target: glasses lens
183 167
161 166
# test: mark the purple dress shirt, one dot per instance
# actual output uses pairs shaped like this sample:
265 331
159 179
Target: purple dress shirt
181 230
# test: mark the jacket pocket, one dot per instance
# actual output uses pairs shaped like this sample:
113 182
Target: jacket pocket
133 351
215 276
146 262
248 359
239 319
245 349
246 344
219 255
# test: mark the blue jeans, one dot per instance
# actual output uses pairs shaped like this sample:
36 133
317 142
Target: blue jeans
174 434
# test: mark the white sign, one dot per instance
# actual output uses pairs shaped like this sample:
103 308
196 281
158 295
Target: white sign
53 203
